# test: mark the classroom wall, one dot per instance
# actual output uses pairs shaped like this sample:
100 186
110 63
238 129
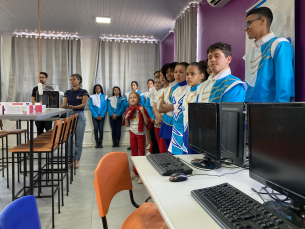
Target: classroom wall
167 50
224 24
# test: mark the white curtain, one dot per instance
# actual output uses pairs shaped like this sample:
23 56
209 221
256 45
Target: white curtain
186 36
119 63
6 51
59 59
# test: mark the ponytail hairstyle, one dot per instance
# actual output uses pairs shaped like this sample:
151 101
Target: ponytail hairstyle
185 64
202 67
79 77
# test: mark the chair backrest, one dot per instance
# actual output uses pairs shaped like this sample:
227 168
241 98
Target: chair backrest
112 175
21 214
58 124
75 123
67 125
1 124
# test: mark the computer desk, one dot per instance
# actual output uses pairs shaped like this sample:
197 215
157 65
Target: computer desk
173 199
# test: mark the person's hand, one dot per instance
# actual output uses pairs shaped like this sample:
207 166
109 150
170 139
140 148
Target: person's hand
128 113
115 116
142 110
98 118
67 106
152 120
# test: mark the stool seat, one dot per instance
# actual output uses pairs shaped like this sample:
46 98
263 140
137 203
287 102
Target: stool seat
13 131
37 147
2 135
42 140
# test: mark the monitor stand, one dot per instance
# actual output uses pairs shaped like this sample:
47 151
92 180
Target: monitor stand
206 163
292 212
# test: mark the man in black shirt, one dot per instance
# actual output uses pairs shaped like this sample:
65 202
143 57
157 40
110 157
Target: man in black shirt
41 125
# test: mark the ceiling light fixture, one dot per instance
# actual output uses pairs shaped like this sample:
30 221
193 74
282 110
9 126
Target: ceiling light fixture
103 20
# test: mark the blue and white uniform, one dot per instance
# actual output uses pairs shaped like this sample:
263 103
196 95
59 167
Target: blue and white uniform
115 105
126 104
227 88
269 70
200 92
98 105
150 99
176 145
167 121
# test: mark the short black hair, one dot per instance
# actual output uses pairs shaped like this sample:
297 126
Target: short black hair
120 95
98 85
164 69
224 47
151 81
172 65
263 12
135 83
44 73
202 67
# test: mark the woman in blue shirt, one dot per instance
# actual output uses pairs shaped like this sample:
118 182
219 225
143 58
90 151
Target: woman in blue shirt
76 98
98 108
115 110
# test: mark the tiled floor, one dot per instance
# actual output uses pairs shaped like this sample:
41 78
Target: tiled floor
80 209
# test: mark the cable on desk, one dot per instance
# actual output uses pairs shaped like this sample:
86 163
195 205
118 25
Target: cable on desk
194 166
273 195
218 175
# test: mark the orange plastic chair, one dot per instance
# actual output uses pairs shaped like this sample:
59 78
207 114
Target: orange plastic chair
112 175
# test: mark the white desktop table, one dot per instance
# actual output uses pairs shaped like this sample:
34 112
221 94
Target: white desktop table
50 112
173 199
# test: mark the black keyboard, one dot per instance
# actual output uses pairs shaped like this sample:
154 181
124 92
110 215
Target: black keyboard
167 164
231 208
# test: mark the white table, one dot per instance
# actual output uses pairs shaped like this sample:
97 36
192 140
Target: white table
50 112
173 199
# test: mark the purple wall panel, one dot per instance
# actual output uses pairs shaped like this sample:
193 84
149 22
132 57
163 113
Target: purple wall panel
167 51
224 25
299 50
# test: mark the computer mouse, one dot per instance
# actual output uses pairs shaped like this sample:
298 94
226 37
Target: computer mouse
177 177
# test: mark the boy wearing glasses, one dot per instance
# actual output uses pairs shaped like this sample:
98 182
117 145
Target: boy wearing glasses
269 65
41 125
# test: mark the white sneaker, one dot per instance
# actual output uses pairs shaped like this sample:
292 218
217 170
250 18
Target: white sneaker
148 153
148 146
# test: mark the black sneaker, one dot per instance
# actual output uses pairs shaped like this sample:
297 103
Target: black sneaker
129 148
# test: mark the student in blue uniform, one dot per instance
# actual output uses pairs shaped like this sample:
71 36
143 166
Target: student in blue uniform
269 65
176 145
166 105
134 87
115 104
76 99
226 87
98 108
196 73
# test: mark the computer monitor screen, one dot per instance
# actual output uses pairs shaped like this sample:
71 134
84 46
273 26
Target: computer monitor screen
232 120
204 134
277 147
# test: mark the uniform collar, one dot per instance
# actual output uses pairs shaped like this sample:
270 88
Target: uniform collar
222 74
183 83
172 84
194 88
264 39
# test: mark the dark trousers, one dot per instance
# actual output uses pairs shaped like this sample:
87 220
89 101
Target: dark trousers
41 125
116 128
154 142
98 126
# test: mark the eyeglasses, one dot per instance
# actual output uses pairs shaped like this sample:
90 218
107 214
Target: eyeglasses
248 23
41 77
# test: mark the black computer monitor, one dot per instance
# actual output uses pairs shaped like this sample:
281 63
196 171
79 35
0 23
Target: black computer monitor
277 150
204 133
232 120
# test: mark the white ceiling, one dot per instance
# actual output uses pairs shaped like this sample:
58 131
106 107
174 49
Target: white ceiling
149 18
